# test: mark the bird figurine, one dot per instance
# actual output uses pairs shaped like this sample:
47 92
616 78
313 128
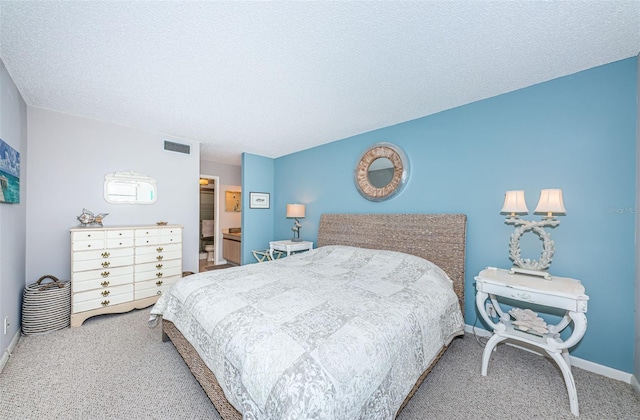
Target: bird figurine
296 230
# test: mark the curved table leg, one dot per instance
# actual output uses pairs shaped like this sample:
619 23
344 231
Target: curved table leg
493 341
565 368
565 356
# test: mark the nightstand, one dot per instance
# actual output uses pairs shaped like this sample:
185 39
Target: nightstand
267 255
289 246
559 292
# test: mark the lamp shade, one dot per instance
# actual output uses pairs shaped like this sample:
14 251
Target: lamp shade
550 202
514 202
295 210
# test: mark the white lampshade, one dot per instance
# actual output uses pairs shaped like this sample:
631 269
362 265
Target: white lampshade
550 202
295 210
514 203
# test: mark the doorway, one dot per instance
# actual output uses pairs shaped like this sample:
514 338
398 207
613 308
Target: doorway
209 222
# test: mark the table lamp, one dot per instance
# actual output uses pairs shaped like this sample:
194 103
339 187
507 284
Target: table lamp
296 211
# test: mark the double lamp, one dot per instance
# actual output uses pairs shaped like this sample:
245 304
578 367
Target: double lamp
550 203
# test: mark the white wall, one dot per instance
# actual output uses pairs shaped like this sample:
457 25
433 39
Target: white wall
228 219
69 157
13 130
636 369
230 180
229 174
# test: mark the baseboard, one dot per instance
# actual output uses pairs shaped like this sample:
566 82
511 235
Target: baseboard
601 369
12 345
635 384
575 361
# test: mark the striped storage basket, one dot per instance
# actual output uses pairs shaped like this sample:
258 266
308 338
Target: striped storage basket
46 306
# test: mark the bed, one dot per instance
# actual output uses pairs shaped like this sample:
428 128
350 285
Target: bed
320 366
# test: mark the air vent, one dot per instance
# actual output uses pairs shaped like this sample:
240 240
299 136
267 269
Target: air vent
177 147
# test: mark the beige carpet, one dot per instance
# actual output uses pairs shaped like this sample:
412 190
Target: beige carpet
115 367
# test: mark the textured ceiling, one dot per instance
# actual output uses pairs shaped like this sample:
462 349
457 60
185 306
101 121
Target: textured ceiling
272 78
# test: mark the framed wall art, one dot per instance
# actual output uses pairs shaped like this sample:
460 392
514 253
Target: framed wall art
232 200
259 200
9 174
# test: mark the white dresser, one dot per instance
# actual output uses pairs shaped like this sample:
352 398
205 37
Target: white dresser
117 269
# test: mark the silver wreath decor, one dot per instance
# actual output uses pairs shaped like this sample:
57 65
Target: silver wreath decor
548 247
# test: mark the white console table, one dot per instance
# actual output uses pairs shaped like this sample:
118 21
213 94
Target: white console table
559 292
289 246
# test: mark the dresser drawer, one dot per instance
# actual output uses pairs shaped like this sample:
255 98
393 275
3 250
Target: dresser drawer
88 235
159 257
156 283
119 234
169 239
158 274
110 281
146 233
170 231
105 292
87 244
103 273
146 237
157 266
102 302
105 263
151 291
142 294
101 254
144 250
147 240
119 243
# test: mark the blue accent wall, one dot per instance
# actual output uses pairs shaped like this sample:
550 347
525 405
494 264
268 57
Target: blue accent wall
577 133
257 224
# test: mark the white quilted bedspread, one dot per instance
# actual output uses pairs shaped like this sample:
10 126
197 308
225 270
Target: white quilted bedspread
334 333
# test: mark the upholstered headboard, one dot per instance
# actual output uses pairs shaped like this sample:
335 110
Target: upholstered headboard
439 238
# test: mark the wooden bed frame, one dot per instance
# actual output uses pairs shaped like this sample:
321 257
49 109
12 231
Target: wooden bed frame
439 238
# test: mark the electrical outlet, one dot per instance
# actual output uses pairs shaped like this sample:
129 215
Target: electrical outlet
6 323
491 311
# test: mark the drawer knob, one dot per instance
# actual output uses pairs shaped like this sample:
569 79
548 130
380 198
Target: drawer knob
89 246
105 293
105 274
106 264
105 303
159 249
158 275
159 257
106 254
159 292
159 283
158 266
104 283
